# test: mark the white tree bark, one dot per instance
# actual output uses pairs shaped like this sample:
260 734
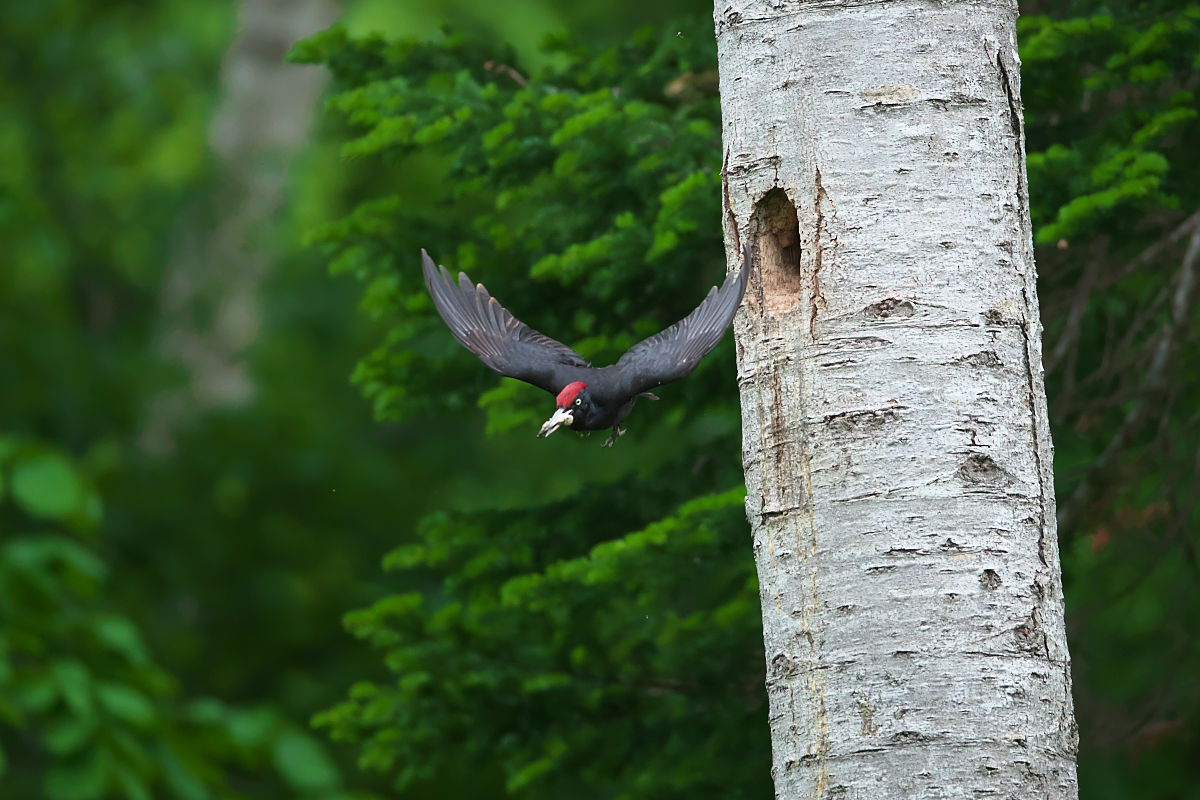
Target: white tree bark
897 454
210 311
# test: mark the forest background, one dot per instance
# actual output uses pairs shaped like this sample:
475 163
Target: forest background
208 443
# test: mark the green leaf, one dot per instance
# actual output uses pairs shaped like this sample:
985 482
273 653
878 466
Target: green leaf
38 694
530 773
251 728
122 636
68 735
74 682
126 703
303 762
133 785
404 557
207 711
545 682
46 486
83 780
181 779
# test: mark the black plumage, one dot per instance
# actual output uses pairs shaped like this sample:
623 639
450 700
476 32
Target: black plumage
588 398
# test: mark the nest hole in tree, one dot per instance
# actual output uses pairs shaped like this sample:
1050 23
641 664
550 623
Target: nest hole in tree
777 235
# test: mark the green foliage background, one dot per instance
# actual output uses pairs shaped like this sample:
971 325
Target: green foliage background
552 619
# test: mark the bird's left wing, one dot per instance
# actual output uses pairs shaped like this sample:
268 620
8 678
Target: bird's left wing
502 342
675 352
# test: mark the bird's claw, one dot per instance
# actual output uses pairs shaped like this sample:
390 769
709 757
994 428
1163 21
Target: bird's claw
617 432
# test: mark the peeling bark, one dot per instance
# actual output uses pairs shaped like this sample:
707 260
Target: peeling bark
897 454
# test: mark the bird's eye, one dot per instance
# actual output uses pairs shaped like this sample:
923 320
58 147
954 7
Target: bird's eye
578 401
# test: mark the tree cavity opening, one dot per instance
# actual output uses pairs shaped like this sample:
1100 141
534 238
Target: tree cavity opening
777 235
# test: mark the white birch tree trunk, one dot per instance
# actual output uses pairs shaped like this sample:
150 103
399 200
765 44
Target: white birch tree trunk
210 310
897 454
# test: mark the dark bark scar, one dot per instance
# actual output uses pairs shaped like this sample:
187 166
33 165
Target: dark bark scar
818 296
730 218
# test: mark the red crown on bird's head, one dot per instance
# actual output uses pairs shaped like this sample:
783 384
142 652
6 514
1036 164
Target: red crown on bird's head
569 393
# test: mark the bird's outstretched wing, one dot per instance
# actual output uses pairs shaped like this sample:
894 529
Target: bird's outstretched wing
501 341
675 352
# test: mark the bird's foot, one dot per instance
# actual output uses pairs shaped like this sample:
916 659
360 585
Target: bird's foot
617 433
649 395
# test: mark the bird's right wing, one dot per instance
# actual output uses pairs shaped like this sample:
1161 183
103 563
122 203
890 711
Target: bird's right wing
675 352
502 342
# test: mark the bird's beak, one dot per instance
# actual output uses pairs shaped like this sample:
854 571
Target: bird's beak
561 417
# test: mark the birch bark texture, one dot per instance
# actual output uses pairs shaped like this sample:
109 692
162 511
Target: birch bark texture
895 440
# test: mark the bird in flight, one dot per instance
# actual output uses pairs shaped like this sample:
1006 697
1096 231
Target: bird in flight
587 398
